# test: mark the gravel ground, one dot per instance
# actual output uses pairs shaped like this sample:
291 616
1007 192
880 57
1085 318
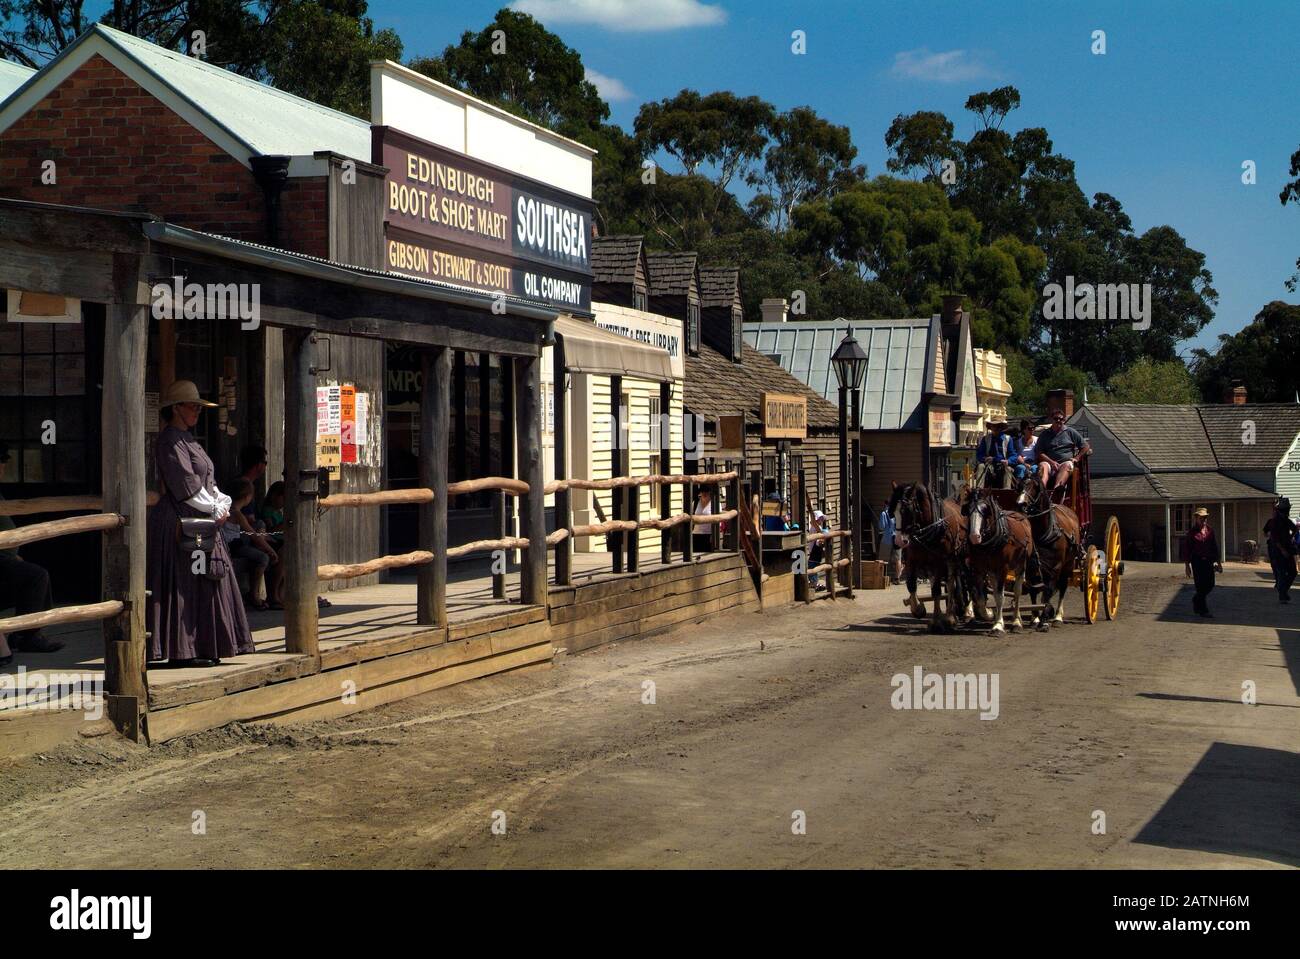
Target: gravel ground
771 742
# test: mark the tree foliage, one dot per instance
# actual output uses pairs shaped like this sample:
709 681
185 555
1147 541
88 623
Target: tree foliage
1262 357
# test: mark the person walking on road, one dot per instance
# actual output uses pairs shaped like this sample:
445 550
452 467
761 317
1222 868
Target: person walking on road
1281 535
1201 559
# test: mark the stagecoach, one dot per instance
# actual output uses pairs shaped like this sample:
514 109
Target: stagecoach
1097 572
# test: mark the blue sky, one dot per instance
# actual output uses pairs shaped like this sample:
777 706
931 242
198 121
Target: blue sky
1185 92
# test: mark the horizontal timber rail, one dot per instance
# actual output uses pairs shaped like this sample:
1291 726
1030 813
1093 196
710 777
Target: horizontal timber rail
827 567
828 534
13 538
621 482
59 504
389 497
62 614
420 556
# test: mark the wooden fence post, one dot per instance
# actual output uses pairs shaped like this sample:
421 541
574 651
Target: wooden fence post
800 510
665 468
126 337
301 615
633 538
435 430
616 465
499 524
688 502
532 514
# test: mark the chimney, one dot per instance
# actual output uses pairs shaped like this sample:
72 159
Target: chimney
952 309
271 172
1235 395
773 309
1060 400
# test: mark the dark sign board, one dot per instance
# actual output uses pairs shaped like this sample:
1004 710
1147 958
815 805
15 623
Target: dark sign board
452 218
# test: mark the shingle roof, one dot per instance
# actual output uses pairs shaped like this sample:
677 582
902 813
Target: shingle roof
671 273
896 357
1162 437
1204 486
715 387
613 258
1204 437
718 285
1275 427
12 76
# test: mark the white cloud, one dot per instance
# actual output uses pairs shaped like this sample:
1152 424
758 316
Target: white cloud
951 66
625 16
610 88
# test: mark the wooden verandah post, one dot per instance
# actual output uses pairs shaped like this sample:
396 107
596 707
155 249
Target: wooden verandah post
435 428
301 615
528 440
563 514
126 338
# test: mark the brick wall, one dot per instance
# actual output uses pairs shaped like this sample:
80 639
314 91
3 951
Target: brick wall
117 147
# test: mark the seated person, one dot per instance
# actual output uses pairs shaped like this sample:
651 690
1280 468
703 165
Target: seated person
1058 448
245 544
1022 453
273 521
992 454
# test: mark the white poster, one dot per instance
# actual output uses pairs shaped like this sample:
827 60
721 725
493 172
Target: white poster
363 419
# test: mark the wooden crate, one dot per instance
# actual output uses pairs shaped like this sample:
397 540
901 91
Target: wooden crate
873 574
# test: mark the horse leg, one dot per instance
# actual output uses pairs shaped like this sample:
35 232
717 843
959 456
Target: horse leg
999 578
936 617
1019 584
1062 587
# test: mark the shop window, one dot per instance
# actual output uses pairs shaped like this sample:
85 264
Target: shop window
693 328
43 402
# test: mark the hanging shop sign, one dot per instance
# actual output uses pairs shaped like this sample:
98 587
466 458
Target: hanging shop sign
452 218
785 416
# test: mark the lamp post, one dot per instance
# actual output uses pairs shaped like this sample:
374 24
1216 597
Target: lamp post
850 362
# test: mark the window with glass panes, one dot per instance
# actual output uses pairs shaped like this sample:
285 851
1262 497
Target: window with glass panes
43 385
693 327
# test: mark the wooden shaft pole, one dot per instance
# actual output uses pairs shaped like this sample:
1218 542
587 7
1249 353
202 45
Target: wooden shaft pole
435 430
122 476
301 616
528 445
563 497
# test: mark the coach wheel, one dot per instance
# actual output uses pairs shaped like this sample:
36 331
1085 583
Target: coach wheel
1114 567
1091 585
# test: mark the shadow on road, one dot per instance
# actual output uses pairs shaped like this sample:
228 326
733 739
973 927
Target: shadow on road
1246 606
1240 800
1210 699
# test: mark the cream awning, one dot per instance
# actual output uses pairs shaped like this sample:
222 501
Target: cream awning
589 349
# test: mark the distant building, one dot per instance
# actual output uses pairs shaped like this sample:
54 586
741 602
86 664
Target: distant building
993 392
1152 465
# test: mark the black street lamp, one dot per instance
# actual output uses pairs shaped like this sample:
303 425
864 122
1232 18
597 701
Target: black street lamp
850 362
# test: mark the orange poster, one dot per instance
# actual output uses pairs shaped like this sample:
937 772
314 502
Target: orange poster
348 409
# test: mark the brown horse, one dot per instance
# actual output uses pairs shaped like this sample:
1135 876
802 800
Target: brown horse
933 532
1001 541
1057 546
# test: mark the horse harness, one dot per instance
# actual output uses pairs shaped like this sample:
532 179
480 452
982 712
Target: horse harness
1000 530
928 536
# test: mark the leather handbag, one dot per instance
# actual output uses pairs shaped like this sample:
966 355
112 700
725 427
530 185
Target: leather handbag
199 534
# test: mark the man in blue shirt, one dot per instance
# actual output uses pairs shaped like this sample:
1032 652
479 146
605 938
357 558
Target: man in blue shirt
992 456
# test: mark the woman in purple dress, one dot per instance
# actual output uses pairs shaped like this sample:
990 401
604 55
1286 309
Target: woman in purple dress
195 621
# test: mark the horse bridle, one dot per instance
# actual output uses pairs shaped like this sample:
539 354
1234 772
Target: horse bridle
924 535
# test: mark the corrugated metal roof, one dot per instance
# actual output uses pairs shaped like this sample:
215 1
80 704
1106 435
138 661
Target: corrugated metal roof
12 76
896 355
268 120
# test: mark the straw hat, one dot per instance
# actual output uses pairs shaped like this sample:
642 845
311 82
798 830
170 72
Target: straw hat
1200 511
182 391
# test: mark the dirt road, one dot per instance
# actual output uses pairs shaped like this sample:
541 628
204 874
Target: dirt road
755 720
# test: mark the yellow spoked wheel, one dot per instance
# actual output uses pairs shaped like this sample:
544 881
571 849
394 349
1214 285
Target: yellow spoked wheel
1114 561
1091 584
